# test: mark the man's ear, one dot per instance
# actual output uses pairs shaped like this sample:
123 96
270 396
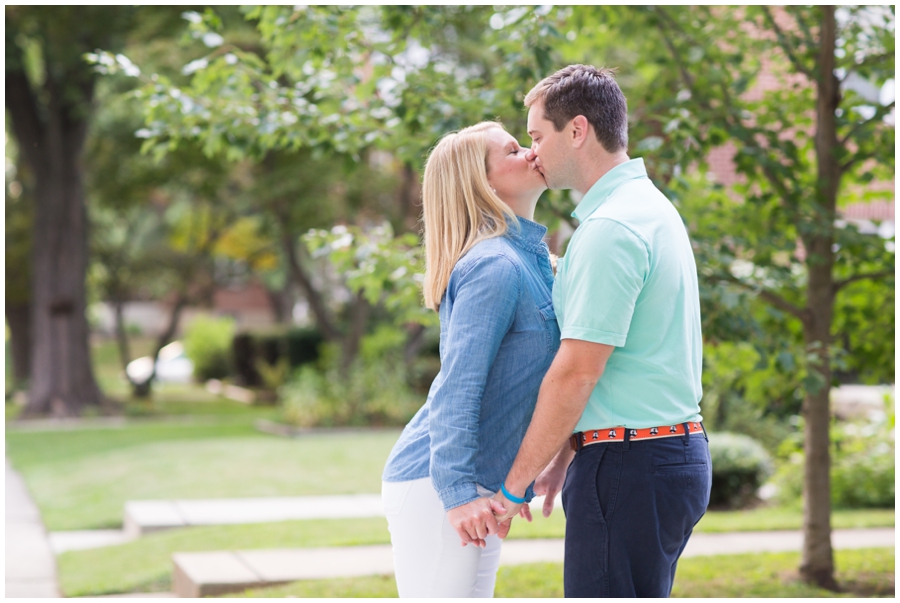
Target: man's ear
580 131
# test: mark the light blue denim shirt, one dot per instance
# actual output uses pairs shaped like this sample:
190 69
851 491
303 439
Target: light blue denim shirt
498 338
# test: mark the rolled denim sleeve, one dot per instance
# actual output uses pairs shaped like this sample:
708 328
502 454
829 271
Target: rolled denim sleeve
483 298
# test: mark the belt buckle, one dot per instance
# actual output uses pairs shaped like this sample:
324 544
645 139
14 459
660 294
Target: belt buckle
577 441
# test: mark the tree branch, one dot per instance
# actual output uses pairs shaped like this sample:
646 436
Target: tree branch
838 285
773 298
808 37
785 46
858 158
874 58
879 115
323 317
776 183
685 75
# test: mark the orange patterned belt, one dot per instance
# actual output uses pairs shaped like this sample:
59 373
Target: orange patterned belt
581 439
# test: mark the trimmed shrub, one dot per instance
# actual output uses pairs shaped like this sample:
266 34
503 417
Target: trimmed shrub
207 342
740 465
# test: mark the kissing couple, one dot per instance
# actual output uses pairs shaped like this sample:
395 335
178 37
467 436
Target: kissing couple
586 382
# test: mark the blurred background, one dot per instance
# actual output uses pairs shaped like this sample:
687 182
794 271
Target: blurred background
213 260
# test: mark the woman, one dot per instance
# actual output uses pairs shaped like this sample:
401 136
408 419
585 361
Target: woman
488 275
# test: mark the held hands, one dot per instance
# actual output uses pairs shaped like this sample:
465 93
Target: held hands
474 521
509 510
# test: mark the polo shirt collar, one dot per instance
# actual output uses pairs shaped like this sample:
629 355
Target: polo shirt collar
603 188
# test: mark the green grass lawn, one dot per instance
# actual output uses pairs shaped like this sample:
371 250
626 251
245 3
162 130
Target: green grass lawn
81 479
865 572
146 565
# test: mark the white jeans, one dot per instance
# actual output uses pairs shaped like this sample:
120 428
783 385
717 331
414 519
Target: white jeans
429 560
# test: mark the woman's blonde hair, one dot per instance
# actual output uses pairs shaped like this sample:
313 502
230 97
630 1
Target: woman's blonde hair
460 208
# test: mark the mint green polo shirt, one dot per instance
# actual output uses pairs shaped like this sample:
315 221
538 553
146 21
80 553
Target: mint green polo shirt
629 280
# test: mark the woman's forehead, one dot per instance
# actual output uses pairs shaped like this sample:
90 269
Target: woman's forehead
500 137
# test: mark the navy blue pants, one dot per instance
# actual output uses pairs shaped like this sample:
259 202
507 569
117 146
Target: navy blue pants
630 509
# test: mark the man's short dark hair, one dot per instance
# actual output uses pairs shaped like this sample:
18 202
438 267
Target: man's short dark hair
585 90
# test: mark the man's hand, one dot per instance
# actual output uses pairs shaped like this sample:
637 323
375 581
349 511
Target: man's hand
524 513
509 510
474 521
550 482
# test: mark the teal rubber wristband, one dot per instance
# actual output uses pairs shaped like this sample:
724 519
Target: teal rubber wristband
510 497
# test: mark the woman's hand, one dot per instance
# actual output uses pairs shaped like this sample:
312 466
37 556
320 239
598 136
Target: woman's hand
474 521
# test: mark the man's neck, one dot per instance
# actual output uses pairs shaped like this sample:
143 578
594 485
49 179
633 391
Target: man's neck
598 167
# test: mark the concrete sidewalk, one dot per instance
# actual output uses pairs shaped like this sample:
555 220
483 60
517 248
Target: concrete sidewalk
30 565
204 574
143 516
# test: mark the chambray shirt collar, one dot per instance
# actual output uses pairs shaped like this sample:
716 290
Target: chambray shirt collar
603 188
527 235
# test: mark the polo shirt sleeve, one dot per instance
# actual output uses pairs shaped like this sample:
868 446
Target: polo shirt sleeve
605 269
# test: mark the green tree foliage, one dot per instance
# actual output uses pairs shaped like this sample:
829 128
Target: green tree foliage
345 79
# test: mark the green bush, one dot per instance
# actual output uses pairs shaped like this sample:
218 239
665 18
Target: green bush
864 480
207 342
862 465
373 390
259 355
740 465
368 393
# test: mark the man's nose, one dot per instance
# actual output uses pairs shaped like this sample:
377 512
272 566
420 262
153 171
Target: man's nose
529 155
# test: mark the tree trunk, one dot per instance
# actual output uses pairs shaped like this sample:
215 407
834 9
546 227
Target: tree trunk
817 565
280 303
415 339
51 139
324 320
359 319
410 193
139 389
18 317
62 380
122 334
144 389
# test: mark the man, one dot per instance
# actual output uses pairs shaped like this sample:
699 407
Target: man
626 379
